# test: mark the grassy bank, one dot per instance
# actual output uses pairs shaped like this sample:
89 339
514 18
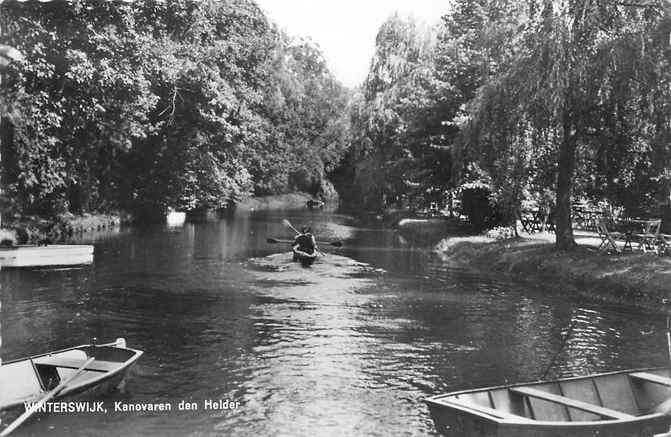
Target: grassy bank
642 279
429 230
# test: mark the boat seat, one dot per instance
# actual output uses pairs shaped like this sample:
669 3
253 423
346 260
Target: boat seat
651 377
571 403
498 414
69 363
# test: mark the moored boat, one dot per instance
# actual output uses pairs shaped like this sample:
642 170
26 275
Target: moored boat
616 404
29 379
175 218
306 259
43 256
314 204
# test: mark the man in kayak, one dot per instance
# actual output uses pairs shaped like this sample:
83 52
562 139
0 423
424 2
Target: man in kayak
305 242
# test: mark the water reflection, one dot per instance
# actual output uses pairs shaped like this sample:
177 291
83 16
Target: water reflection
320 353
348 347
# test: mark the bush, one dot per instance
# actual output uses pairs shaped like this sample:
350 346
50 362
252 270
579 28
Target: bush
477 205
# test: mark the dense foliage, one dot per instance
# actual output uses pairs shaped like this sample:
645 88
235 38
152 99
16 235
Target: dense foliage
396 154
197 104
529 98
148 105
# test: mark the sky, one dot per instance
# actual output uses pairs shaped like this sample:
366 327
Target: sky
346 29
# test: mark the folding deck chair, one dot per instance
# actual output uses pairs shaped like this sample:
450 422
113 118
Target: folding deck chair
649 239
608 238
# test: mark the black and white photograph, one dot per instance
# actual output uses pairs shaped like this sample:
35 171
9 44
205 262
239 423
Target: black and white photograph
368 218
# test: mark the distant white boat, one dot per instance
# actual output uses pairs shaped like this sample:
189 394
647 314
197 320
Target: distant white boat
43 256
175 218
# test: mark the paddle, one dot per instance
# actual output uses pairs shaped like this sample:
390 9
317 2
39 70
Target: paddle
279 240
51 394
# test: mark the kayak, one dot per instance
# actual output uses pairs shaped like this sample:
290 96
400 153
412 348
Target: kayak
29 379
306 259
615 404
312 204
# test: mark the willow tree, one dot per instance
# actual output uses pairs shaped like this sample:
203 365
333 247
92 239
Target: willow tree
555 96
393 122
585 54
562 59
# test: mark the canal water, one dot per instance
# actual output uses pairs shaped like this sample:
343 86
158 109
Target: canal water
349 347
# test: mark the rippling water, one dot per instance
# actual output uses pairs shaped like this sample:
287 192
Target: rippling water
348 347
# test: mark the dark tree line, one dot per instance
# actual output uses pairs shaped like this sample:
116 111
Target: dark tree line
193 104
147 105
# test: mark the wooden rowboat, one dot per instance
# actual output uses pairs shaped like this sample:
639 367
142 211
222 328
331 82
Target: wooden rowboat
616 404
306 259
28 379
50 255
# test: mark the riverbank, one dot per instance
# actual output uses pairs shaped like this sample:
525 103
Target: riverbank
34 229
636 278
278 201
428 231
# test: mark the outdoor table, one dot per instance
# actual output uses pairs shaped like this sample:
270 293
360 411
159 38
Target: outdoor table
663 244
633 226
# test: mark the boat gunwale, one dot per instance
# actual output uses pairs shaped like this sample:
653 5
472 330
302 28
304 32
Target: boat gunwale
304 254
67 349
107 375
48 247
440 401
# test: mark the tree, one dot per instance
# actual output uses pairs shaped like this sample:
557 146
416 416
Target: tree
394 129
573 90
479 41
305 115
77 100
146 105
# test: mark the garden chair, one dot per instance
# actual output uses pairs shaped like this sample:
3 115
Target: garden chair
526 220
649 239
608 237
663 244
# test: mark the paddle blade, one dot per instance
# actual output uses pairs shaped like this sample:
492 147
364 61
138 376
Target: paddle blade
287 223
336 243
272 240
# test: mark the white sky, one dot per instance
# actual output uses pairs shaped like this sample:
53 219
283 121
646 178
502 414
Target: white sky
346 29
